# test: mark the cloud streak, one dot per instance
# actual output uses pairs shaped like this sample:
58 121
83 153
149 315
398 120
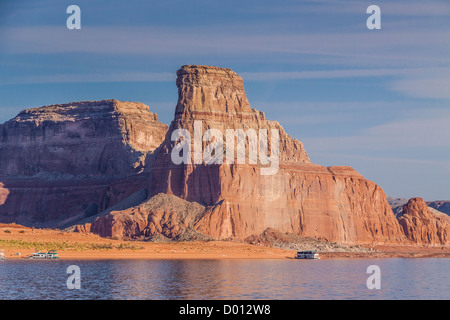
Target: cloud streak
93 78
405 134
425 88
431 8
343 73
384 47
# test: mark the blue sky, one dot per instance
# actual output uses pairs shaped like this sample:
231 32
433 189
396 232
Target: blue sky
378 100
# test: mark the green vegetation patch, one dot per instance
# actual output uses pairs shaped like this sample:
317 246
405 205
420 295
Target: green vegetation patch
64 246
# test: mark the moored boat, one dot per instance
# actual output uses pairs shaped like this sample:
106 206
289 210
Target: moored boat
2 256
307 255
52 254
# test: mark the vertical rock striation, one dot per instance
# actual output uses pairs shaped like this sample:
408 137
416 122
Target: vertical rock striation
422 226
334 203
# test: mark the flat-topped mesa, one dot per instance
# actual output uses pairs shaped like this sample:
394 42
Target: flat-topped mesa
84 110
80 138
72 160
211 91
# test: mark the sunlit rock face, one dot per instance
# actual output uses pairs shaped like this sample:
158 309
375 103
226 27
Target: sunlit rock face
334 203
421 226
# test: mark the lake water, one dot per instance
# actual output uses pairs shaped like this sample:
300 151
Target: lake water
226 279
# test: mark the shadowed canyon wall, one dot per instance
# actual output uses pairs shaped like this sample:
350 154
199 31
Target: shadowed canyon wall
76 159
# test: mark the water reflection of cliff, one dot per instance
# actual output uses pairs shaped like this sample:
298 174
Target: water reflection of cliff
226 279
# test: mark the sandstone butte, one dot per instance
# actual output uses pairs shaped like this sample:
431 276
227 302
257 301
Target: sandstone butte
60 163
106 167
423 227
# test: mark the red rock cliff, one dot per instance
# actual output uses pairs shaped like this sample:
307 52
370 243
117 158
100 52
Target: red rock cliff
335 203
65 160
422 226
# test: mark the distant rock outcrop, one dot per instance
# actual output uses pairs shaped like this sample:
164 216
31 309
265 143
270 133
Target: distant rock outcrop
162 216
442 206
74 160
397 205
421 226
438 208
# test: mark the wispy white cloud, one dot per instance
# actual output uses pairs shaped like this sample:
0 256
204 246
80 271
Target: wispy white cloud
90 77
406 81
311 119
388 7
393 48
427 87
416 8
427 83
343 73
428 162
406 134
324 106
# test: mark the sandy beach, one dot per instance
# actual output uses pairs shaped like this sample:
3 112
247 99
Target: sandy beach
16 239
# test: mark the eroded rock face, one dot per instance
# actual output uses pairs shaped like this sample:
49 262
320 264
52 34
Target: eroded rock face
162 216
66 162
421 226
74 159
91 138
214 97
334 203
83 228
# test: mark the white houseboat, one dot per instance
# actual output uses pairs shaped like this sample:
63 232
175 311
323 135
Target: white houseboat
2 256
52 254
307 255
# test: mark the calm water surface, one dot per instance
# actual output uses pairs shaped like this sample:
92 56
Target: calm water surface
226 279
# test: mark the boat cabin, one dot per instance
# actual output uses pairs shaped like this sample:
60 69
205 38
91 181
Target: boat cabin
52 254
307 255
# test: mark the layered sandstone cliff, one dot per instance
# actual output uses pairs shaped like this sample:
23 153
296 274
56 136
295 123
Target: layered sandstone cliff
421 226
239 173
74 159
335 203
